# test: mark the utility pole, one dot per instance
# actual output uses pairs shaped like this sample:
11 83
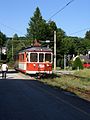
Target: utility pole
0 52
64 62
12 48
54 50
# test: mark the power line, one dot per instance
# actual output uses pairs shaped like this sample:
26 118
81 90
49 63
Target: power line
47 20
13 31
80 31
10 28
61 9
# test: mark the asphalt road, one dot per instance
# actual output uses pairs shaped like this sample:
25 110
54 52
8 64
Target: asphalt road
25 99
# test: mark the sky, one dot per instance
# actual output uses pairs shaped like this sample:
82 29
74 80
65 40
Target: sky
74 19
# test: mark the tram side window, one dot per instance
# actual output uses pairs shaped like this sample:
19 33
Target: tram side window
21 57
41 57
33 57
48 57
27 56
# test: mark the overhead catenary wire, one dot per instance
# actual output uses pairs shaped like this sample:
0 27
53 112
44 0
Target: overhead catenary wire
60 9
63 9
14 30
80 31
47 20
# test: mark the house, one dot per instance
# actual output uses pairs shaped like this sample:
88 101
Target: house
86 60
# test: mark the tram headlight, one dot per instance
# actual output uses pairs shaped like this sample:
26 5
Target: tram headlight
34 64
41 66
47 65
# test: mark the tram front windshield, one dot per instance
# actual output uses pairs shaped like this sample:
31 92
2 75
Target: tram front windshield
33 57
43 57
48 57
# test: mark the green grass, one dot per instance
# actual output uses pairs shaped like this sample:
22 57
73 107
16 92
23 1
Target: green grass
78 85
83 73
69 81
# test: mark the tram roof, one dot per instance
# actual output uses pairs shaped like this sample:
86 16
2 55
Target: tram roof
38 49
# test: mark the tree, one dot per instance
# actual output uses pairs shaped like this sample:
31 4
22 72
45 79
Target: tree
50 32
87 35
72 45
86 41
2 39
14 44
77 64
85 46
15 37
37 26
60 36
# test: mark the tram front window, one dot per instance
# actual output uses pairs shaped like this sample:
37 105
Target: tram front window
41 57
33 57
48 57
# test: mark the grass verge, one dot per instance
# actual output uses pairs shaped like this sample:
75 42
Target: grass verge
78 85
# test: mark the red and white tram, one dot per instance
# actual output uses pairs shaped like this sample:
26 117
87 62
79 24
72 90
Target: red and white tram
34 60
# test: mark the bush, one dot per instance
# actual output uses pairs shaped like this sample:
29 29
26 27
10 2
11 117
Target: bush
77 64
